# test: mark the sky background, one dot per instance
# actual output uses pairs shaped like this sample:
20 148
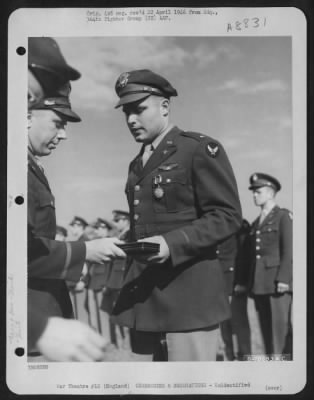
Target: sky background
234 89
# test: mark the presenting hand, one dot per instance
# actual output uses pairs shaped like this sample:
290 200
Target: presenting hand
70 340
102 250
282 287
159 258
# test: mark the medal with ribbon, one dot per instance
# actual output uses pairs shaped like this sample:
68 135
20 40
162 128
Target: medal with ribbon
158 191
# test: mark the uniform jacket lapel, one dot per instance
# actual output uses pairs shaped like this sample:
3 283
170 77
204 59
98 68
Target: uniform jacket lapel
267 218
37 171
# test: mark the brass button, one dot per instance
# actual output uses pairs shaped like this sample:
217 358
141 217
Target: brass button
168 180
257 247
231 269
136 217
137 188
258 256
258 239
258 232
136 202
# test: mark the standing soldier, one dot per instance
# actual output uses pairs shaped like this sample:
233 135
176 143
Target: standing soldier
97 281
61 233
121 219
77 289
271 272
183 196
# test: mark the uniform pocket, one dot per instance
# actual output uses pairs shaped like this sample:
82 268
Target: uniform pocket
272 262
174 185
46 199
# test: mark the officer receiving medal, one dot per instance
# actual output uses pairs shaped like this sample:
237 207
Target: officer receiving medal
182 195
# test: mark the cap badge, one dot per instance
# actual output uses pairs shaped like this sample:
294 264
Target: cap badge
123 80
254 177
212 149
49 102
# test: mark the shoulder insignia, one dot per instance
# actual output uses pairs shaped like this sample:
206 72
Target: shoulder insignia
288 212
212 149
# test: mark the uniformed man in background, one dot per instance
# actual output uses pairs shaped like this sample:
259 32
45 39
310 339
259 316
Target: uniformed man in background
49 110
96 282
121 220
61 233
182 195
270 280
77 228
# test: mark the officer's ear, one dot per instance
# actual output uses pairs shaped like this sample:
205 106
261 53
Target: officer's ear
165 107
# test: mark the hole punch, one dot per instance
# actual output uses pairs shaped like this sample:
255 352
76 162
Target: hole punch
21 50
19 351
19 200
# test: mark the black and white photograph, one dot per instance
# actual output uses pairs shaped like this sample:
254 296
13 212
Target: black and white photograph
161 180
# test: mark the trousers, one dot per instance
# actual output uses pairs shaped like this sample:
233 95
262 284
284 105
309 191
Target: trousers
196 345
274 313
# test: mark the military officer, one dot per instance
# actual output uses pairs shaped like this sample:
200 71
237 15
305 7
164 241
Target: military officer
182 194
270 280
50 264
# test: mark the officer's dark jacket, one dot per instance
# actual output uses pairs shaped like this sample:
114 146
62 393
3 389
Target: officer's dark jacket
199 207
271 252
234 257
47 291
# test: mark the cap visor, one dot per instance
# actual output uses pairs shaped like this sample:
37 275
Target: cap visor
73 74
68 114
131 98
252 187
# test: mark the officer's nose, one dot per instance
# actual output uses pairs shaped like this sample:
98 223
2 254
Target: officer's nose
131 119
62 134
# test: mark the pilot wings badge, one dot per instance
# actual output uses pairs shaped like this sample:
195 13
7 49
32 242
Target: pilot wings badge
212 149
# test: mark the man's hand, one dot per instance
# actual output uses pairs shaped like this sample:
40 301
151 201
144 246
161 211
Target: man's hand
70 340
102 250
161 257
282 287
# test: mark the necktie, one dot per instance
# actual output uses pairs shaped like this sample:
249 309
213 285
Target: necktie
39 164
262 217
148 151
